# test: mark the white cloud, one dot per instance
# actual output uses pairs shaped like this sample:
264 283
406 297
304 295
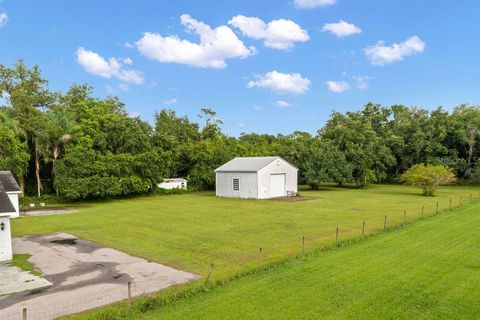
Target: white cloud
3 19
95 64
127 61
341 28
169 102
361 82
310 4
283 104
380 54
277 34
216 45
241 124
337 86
258 108
282 83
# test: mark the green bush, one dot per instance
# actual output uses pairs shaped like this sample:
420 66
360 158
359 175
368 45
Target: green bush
428 177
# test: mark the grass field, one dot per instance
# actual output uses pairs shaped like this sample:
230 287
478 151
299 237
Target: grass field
429 270
191 231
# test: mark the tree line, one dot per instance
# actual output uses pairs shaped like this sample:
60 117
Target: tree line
77 146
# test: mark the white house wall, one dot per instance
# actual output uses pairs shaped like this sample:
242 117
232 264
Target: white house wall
277 167
5 240
172 185
13 196
248 185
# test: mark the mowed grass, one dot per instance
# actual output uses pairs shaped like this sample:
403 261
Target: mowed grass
428 270
191 231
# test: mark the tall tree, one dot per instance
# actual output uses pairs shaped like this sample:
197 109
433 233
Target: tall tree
466 127
28 95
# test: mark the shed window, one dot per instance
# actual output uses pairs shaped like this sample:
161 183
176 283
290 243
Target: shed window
236 184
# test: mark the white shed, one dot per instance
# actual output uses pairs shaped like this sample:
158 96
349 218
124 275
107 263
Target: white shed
173 183
12 189
6 210
256 178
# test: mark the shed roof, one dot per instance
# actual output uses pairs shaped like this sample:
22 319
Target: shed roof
8 182
174 180
6 206
247 164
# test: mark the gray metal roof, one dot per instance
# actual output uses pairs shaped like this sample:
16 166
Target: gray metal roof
174 180
6 206
8 182
247 164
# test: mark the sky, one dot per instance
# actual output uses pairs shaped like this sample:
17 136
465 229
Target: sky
264 66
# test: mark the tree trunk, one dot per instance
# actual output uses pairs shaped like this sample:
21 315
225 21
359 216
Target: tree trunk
37 171
471 142
21 182
54 162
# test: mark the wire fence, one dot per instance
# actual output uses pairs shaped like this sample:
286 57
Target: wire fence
51 305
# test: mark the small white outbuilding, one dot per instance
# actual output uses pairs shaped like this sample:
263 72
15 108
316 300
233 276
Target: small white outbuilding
173 183
12 190
6 211
256 178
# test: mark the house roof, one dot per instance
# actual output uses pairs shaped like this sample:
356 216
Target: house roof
247 164
8 182
6 206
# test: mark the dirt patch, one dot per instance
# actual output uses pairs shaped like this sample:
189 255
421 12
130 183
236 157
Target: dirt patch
48 211
295 199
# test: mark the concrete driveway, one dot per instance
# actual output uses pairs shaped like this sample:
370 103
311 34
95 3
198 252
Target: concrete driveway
84 275
15 280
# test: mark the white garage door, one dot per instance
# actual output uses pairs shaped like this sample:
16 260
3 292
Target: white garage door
277 185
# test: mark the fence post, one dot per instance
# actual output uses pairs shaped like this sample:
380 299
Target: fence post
437 207
450 205
385 224
336 238
423 211
210 273
260 259
461 200
363 230
303 246
470 198
129 288
24 314
404 217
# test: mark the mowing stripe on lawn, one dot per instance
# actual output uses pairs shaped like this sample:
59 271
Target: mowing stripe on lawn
430 270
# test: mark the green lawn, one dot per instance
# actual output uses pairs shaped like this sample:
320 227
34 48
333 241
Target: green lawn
191 231
21 261
429 270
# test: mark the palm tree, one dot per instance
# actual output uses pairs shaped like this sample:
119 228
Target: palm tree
61 130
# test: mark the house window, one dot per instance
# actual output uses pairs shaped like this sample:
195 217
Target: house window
236 184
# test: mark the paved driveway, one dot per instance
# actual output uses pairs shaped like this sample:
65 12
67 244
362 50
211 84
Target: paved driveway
13 280
84 276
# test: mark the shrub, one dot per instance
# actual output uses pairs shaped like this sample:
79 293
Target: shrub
428 177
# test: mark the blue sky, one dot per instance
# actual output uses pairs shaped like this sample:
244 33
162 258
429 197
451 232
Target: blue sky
264 66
